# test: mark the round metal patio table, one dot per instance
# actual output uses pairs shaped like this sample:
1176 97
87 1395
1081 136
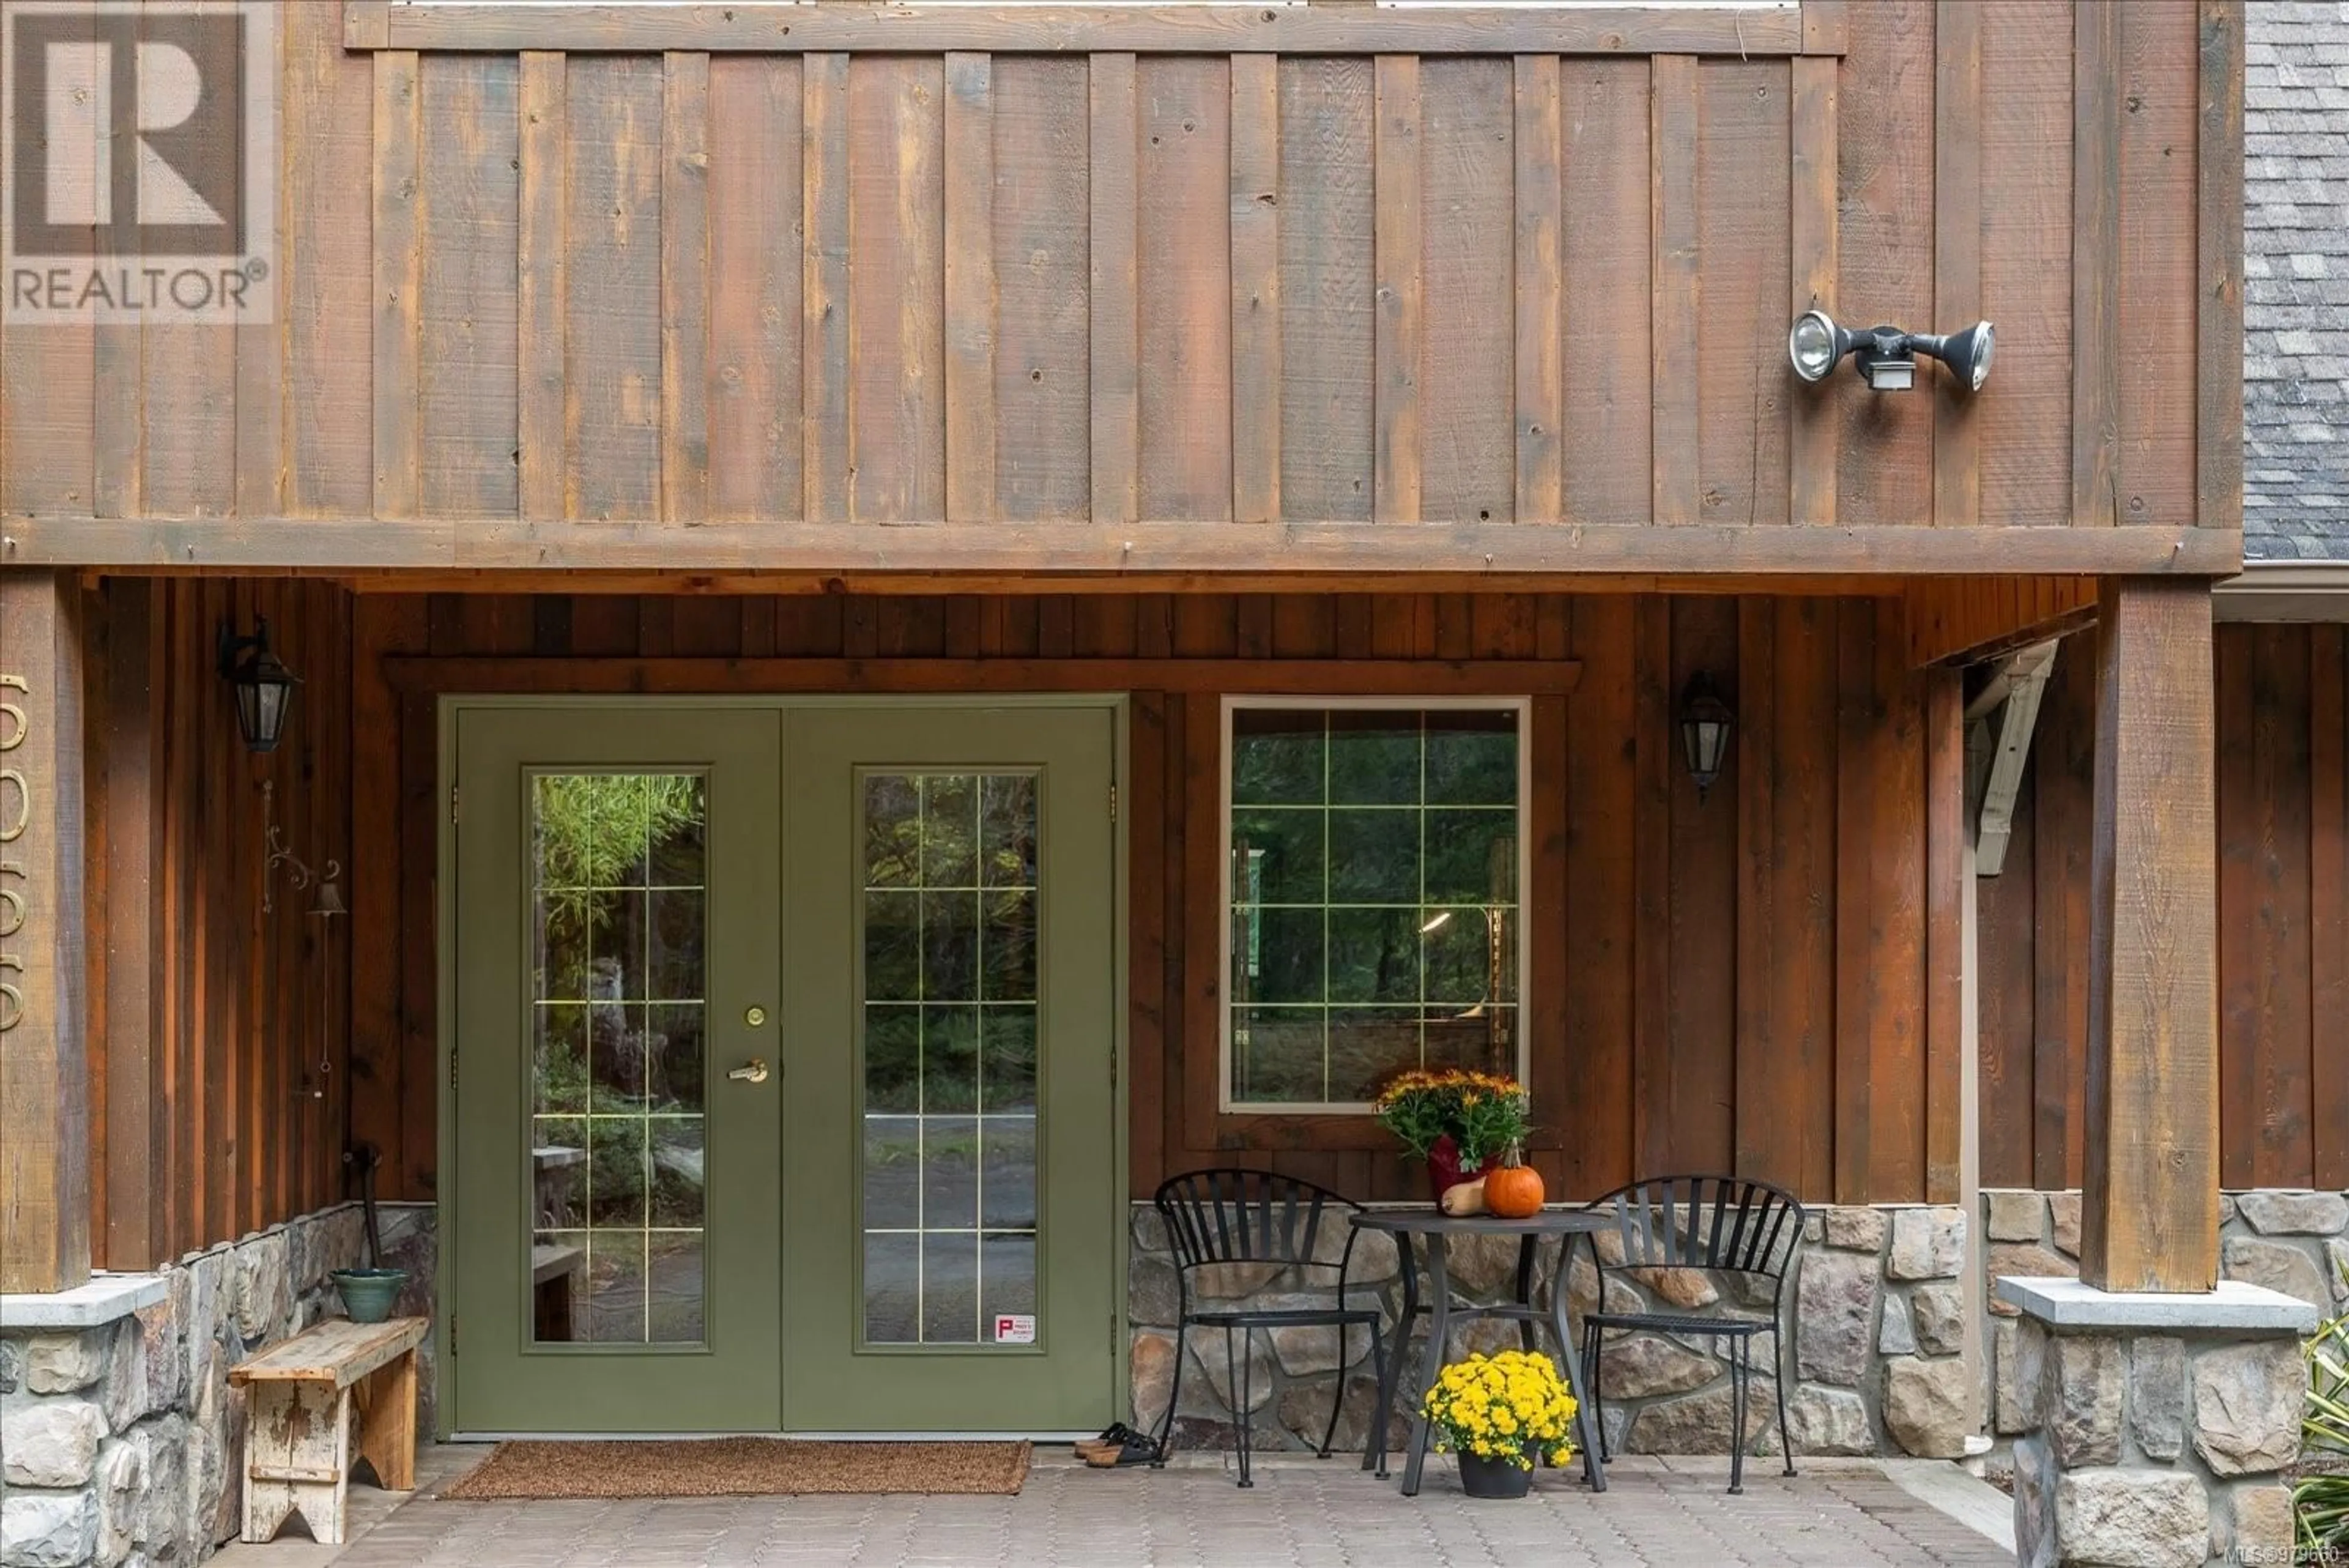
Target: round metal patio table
1423 1236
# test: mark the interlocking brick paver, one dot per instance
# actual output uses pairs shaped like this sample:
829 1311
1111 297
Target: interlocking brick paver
1657 1514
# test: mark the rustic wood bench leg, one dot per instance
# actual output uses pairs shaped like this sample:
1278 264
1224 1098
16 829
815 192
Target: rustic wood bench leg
296 1458
387 1398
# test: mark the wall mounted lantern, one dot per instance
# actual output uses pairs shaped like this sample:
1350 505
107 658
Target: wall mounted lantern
1886 356
1705 726
263 686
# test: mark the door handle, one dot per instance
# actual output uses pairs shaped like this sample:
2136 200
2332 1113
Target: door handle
754 1071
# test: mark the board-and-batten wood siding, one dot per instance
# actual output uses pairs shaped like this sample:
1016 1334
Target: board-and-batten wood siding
753 290
1741 982
218 1065
2283 922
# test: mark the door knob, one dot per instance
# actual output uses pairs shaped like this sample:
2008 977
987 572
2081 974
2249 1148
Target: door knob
753 1071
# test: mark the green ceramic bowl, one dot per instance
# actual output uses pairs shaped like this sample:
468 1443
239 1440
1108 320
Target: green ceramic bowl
368 1293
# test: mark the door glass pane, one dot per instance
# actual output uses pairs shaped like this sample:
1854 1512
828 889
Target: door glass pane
619 906
948 939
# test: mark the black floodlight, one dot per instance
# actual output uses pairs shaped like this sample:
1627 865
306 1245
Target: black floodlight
1886 356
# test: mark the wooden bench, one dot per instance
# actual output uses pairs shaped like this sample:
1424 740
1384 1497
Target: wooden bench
297 1440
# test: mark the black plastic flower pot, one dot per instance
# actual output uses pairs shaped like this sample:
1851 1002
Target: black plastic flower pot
1481 1476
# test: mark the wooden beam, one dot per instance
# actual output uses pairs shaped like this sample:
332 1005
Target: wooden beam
1466 553
772 26
1115 306
2150 1216
1304 677
2027 684
45 1172
1948 967
125 733
2218 293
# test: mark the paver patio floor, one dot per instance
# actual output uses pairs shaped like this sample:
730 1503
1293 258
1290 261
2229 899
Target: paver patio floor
1658 1513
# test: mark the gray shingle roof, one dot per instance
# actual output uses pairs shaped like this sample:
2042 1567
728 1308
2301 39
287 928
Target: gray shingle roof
2296 280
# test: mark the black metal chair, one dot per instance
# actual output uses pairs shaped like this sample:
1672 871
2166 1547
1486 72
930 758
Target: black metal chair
1229 1216
1716 1224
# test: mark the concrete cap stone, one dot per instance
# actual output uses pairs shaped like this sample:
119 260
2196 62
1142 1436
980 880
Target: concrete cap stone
2233 1307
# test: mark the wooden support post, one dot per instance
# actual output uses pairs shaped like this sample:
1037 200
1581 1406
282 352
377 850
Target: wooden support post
2150 1219
44 1078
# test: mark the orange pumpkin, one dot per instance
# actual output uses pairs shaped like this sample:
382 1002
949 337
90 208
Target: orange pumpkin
1513 1192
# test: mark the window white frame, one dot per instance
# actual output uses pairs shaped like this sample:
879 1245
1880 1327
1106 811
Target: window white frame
1523 707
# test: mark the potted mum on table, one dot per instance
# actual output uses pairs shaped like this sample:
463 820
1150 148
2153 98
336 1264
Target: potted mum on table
1498 1414
1461 1123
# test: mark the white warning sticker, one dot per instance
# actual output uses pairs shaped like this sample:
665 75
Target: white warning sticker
1015 1328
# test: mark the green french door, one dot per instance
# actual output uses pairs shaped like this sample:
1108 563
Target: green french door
949 1154
783 1074
614 1205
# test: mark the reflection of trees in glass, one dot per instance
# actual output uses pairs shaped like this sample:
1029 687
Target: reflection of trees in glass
592 830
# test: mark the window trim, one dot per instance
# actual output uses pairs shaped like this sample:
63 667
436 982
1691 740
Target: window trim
1523 707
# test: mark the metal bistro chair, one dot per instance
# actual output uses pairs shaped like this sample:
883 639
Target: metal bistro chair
1238 1217
1702 1224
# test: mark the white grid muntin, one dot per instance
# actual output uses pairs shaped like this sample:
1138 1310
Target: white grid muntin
1522 707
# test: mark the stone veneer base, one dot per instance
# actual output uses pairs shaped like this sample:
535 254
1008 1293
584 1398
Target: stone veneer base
119 1435
2156 1428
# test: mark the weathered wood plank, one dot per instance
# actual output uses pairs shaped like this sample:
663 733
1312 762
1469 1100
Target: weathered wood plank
2277 924
338 1353
2064 771
1326 302
1400 258
824 344
2328 921
1185 270
1043 461
1703 892
1115 223
127 727
1884 148
259 463
970 289
1467 205
1638 925
755 282
685 340
1743 210
1762 1114
1609 370
2219 269
1856 919
468 301
2150 1211
2243 988
1813 242
543 238
2097 90
48 382
1672 241
896 286
762 26
1540 346
1957 251
1603 920
2023 434
612 340
1255 302
1945 944
327 111
44 1132
2155 267
398 280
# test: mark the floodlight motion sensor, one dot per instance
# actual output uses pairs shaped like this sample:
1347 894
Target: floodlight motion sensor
1886 356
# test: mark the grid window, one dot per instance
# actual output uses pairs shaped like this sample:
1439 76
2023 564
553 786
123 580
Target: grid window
1373 897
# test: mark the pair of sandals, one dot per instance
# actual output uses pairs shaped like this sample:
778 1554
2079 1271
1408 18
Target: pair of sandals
1118 1445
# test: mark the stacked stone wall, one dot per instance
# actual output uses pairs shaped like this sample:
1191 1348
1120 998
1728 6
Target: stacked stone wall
122 1443
1875 1329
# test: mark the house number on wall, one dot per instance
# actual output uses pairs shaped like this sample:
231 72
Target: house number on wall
16 815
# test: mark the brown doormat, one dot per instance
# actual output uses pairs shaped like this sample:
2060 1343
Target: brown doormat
740 1467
